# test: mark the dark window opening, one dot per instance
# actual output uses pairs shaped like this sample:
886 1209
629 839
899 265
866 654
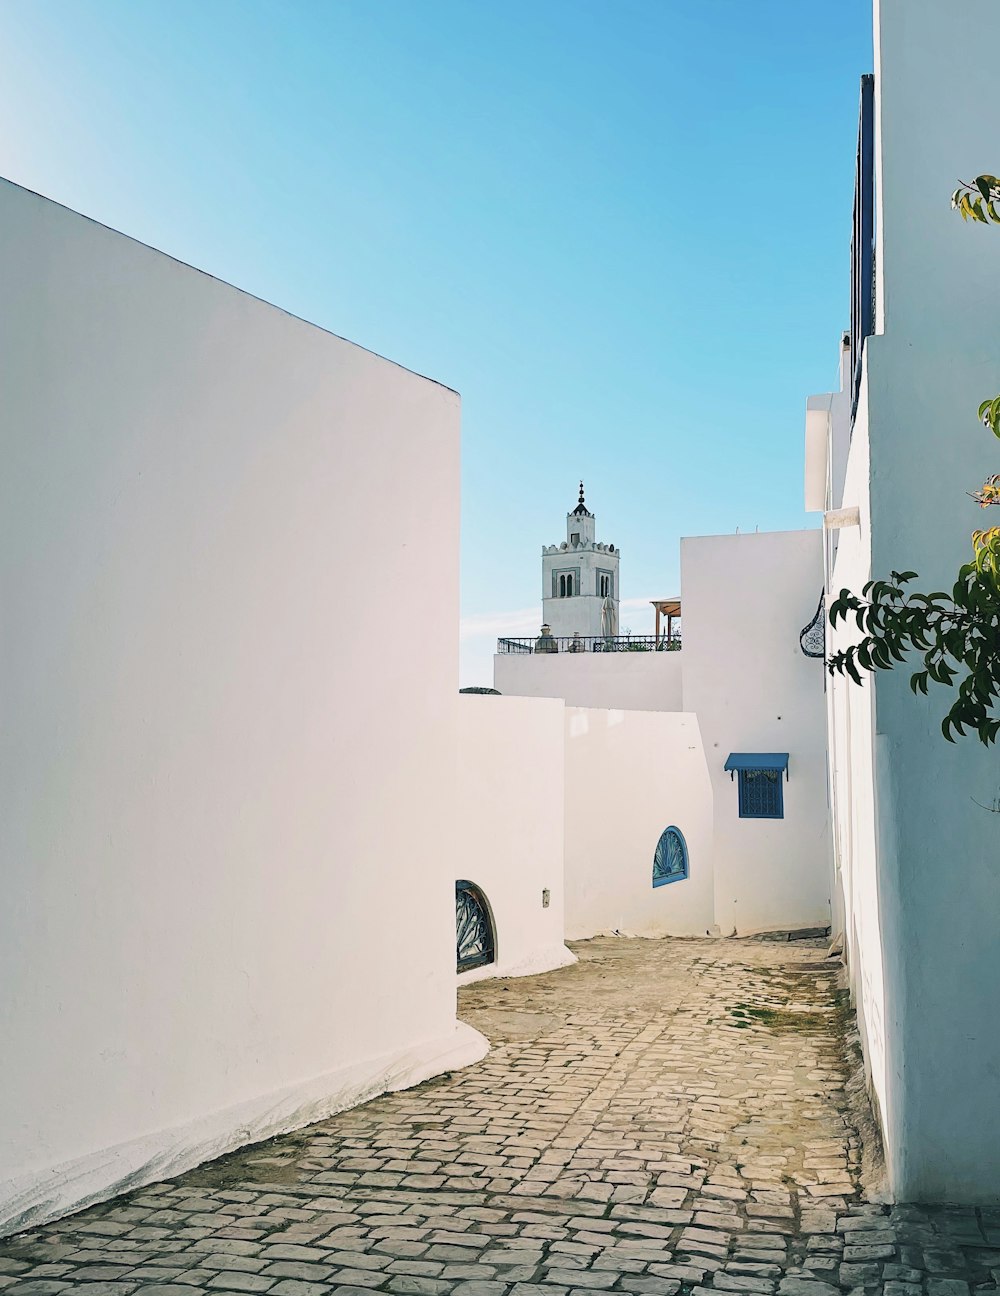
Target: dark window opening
475 939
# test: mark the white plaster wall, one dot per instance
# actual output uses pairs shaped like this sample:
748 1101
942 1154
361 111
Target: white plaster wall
938 874
851 752
630 775
746 598
509 798
629 681
227 909
580 614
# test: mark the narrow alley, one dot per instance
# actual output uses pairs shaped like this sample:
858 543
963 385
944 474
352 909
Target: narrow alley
666 1115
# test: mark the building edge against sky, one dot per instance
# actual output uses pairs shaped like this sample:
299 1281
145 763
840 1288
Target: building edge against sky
206 747
201 745
192 705
918 890
189 709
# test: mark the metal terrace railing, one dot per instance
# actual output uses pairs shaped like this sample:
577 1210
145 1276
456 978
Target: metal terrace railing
597 643
863 238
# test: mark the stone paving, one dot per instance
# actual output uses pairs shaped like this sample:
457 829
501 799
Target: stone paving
665 1117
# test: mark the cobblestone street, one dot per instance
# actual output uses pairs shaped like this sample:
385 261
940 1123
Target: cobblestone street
664 1116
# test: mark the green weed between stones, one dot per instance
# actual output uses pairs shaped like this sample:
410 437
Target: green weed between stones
780 1019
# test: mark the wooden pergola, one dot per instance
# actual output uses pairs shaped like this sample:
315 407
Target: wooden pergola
671 609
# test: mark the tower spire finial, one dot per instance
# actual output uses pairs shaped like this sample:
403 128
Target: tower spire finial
581 509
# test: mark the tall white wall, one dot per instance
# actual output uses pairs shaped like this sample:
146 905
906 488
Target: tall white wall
509 801
227 909
639 681
837 478
630 775
857 906
745 599
937 884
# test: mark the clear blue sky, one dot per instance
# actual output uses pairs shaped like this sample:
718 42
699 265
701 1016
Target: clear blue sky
620 228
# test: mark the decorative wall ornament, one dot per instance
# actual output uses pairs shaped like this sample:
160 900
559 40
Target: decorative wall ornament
813 637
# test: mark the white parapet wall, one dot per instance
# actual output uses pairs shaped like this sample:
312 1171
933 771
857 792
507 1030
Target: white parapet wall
509 805
746 598
227 910
630 775
629 681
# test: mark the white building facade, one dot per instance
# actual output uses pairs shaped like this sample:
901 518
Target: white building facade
752 677
509 800
211 781
890 457
236 814
735 709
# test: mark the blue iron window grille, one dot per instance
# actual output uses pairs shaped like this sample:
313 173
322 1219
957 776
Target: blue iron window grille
761 794
475 938
670 860
760 774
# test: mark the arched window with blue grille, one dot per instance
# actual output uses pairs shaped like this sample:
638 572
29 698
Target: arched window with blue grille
476 940
670 860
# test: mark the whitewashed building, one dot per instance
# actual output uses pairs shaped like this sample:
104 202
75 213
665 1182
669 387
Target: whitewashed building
509 797
890 455
715 737
228 879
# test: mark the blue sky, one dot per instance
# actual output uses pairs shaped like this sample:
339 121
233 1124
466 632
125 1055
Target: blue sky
620 228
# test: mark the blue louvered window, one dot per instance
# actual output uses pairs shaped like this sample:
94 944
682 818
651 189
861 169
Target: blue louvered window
670 860
761 775
761 795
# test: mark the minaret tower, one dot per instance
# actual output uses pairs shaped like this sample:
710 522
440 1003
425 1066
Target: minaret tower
580 580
